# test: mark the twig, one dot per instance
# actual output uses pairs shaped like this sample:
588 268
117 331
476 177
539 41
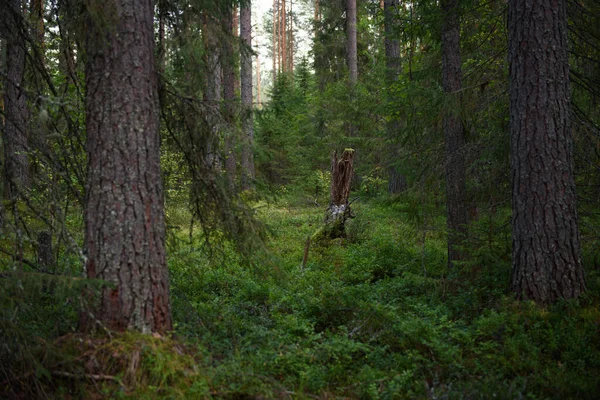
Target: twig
95 377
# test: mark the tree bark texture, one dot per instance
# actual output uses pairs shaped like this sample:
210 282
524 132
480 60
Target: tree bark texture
351 49
124 211
229 101
246 94
342 171
546 248
16 147
454 136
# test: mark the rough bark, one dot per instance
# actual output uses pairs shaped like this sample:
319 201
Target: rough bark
351 50
124 211
16 160
229 80
396 181
454 136
37 21
342 171
246 94
546 248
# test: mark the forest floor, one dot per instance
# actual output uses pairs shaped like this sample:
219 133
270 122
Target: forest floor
374 315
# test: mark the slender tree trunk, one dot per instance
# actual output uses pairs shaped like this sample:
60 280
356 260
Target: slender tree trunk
212 93
16 147
274 40
291 39
236 33
246 80
546 249
317 18
454 135
124 212
229 80
396 181
258 83
162 59
284 54
280 29
37 21
351 50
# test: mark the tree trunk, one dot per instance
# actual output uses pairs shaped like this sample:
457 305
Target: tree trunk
338 211
212 94
351 50
275 52
546 250
37 21
291 40
258 83
16 147
396 181
124 211
229 79
317 18
284 53
246 80
454 135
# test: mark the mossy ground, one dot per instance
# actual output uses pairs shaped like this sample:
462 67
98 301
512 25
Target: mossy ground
376 314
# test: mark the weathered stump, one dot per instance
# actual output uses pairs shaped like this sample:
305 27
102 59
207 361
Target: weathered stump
338 211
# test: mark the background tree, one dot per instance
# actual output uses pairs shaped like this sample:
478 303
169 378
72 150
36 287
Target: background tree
124 211
351 47
454 137
396 181
229 82
248 173
546 249
16 123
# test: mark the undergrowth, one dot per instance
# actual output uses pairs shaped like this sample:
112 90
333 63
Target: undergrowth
376 315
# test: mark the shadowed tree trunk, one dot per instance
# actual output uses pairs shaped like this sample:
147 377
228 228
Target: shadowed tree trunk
212 94
246 81
396 181
546 250
16 161
351 50
124 212
229 79
454 136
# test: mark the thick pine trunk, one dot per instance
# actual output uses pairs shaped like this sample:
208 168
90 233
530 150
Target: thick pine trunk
16 161
124 212
546 250
454 136
246 81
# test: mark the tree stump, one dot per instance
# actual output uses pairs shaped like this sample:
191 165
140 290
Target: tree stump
338 211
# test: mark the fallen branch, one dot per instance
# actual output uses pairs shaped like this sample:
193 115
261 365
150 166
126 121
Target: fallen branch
94 377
